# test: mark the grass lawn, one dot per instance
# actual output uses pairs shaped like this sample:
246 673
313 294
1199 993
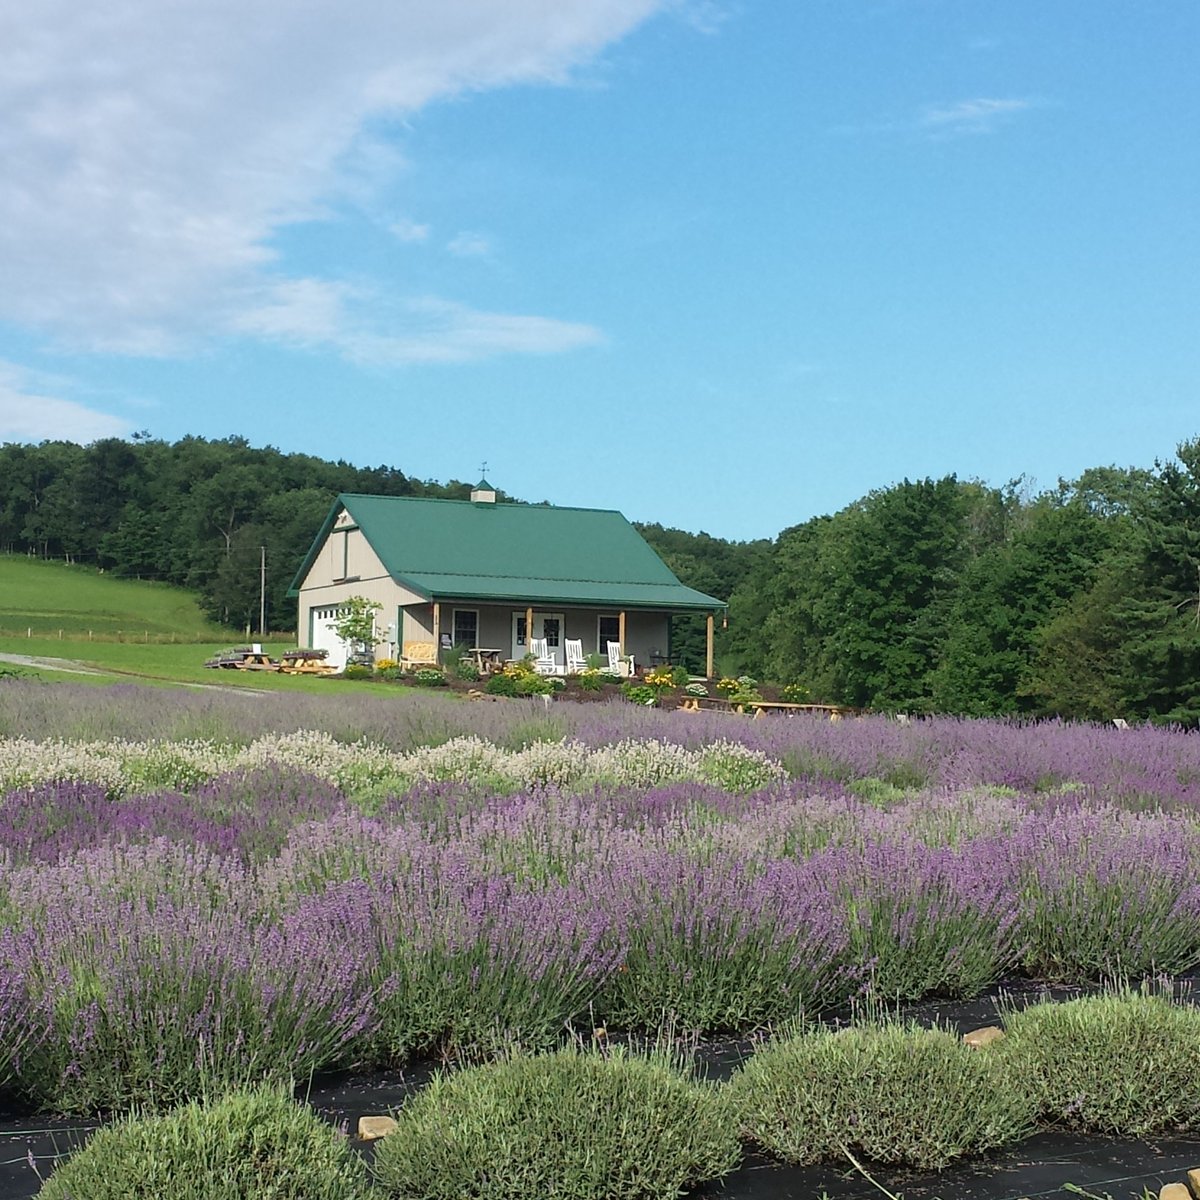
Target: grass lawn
47 597
131 630
165 663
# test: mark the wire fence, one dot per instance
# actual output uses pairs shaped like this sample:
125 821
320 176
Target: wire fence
145 636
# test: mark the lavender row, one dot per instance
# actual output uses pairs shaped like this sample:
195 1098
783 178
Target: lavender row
263 925
1144 766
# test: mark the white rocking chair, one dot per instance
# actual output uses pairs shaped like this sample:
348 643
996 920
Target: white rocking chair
618 663
575 659
544 660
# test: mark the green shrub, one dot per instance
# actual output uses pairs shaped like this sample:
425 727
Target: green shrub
639 693
592 679
795 693
895 1093
251 1145
429 677
357 671
573 1125
534 685
460 665
680 676
1126 1064
391 674
501 685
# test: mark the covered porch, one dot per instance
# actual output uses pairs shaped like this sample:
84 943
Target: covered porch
503 631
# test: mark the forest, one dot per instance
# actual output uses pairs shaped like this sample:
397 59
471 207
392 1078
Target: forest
934 595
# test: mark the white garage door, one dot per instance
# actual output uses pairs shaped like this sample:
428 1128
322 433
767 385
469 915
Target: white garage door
324 636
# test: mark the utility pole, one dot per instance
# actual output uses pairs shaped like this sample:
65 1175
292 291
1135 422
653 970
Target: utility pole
262 592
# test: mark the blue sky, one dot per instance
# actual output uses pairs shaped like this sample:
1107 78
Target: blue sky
723 264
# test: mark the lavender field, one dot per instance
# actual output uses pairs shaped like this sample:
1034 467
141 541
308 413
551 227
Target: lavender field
211 889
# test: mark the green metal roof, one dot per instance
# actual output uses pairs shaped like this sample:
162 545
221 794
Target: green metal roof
512 552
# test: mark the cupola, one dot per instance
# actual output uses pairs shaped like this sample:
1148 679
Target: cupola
483 493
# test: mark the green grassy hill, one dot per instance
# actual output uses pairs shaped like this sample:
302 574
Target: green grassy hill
49 597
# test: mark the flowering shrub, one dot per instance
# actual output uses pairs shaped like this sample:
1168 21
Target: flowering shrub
302 899
696 689
795 693
727 686
429 677
661 679
592 679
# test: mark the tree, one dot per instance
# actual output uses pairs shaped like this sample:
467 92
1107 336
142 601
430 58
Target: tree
355 625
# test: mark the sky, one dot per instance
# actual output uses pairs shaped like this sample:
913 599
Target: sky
721 264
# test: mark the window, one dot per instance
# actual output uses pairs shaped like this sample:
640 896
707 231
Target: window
466 627
608 629
520 631
550 631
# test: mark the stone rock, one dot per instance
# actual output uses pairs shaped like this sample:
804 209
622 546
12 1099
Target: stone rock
1193 1178
983 1037
372 1128
1174 1191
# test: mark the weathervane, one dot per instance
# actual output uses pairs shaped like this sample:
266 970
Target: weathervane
483 469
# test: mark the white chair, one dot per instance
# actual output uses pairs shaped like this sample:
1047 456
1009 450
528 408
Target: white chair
575 659
618 664
544 661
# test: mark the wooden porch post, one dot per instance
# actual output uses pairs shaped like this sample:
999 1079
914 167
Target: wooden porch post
437 628
529 630
708 645
621 630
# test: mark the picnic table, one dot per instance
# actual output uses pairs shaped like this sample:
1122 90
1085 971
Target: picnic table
305 662
761 708
485 657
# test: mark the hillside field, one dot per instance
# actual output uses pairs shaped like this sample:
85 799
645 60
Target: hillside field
128 630
55 599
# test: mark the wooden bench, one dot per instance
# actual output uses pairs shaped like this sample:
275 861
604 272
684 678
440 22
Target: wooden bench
418 654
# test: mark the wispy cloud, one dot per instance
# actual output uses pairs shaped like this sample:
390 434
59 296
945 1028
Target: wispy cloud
706 16
469 245
28 415
979 115
153 153
410 231
440 331
365 327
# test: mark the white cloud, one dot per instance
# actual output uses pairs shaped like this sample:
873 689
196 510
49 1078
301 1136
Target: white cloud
469 245
410 231
302 312
362 327
439 331
28 416
152 151
705 16
979 115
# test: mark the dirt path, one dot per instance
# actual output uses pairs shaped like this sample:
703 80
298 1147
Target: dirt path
70 667
50 664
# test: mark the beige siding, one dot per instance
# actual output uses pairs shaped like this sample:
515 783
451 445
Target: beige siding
347 566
